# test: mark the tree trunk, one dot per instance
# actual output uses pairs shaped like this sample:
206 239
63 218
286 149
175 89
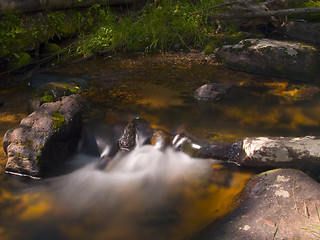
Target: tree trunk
38 5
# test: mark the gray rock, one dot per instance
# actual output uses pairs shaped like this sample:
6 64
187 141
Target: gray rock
278 204
44 139
258 152
300 153
271 57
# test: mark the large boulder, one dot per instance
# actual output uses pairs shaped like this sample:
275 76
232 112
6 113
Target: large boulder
278 204
44 139
272 57
300 153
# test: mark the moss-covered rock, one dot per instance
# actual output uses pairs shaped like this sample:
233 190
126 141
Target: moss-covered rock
54 91
44 139
52 48
20 60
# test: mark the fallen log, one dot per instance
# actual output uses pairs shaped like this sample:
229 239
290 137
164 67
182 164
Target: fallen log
264 14
36 5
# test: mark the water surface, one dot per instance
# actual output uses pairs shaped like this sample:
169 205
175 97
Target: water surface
147 194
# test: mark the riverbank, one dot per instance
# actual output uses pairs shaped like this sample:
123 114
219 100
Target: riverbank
44 38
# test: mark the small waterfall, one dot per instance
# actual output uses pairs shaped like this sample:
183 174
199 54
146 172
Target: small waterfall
145 172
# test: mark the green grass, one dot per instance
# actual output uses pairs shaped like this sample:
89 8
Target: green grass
160 25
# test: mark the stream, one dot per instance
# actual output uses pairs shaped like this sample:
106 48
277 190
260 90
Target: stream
147 193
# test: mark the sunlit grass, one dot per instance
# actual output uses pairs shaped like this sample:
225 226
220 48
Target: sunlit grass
161 25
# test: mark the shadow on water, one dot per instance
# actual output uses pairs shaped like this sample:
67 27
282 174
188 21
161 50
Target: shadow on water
147 193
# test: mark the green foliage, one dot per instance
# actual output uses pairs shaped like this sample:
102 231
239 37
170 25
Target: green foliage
312 4
159 26
213 45
162 25
10 27
22 33
311 16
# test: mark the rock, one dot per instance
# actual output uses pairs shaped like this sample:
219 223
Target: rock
80 84
54 91
278 204
225 152
52 48
271 57
212 91
300 153
302 31
161 139
135 133
189 145
258 152
44 139
21 60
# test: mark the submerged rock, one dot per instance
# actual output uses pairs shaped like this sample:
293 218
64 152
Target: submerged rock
44 139
188 144
271 57
278 204
293 92
212 91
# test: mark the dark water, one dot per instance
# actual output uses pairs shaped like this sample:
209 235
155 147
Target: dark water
147 194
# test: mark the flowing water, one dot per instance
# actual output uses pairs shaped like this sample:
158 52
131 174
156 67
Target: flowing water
147 193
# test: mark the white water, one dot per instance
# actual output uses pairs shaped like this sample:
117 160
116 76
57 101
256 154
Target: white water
145 176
